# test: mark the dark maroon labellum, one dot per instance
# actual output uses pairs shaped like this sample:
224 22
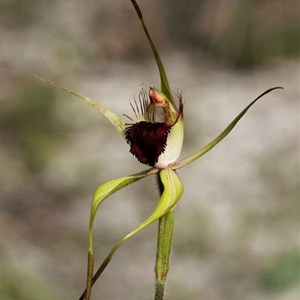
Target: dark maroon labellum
147 140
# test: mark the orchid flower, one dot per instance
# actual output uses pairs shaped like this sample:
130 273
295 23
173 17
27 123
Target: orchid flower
155 138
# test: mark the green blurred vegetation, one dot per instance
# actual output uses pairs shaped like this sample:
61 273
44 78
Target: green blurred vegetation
29 125
243 34
16 284
282 272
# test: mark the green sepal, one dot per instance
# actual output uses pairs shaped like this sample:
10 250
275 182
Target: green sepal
172 191
165 87
112 118
103 192
221 136
109 187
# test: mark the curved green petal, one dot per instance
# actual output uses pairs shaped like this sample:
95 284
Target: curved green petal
102 192
171 194
165 87
220 137
174 145
112 118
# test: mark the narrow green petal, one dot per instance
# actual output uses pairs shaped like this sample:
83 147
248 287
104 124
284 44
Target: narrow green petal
101 193
171 194
165 88
113 119
220 137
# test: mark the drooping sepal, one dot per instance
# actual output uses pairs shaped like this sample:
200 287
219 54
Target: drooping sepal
172 191
103 192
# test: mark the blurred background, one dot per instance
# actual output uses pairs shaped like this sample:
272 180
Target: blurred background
237 225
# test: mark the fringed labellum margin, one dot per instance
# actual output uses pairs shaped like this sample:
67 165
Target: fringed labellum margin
156 143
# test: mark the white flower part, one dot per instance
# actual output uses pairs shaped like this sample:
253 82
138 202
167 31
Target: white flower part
173 147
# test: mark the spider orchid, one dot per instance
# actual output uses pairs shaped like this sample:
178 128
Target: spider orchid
155 139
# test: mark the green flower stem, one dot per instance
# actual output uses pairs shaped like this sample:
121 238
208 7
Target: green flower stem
90 270
164 242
